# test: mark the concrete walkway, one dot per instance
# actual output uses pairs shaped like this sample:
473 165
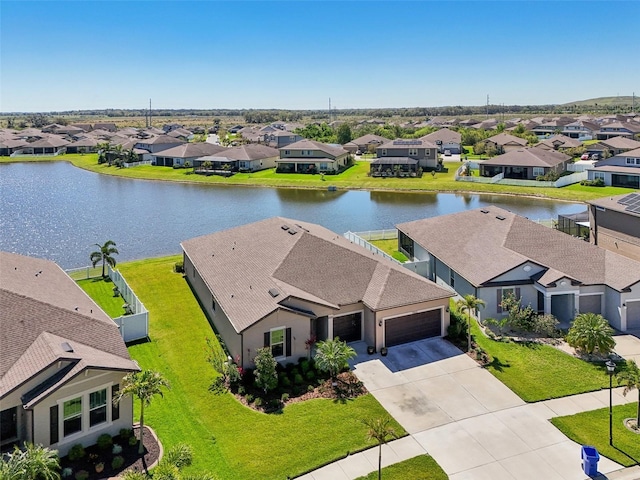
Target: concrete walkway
466 419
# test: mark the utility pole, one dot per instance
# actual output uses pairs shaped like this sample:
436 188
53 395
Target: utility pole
329 109
487 105
149 126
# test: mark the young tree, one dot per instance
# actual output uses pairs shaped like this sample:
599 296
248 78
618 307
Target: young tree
379 429
332 356
630 378
144 385
590 332
34 462
469 303
105 254
265 372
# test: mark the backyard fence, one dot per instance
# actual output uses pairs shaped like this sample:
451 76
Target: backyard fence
360 238
84 273
500 180
136 164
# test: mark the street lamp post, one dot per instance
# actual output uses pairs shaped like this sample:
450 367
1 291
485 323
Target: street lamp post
611 367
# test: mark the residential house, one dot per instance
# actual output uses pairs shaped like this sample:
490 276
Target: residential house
621 170
617 129
243 158
157 144
526 163
581 130
8 145
280 138
178 155
309 156
84 145
397 152
612 146
504 142
365 144
445 139
559 142
279 282
490 253
62 360
109 127
552 127
615 224
47 145
235 129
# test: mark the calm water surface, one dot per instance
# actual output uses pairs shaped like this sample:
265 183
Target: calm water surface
56 211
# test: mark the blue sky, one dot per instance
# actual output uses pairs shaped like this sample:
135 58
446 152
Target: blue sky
295 55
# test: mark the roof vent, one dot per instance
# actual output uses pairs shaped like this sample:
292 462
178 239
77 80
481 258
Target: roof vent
274 292
484 210
292 231
500 217
66 347
285 227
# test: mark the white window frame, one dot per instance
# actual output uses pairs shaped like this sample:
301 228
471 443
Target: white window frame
284 342
413 152
599 175
85 404
384 152
64 417
105 406
538 171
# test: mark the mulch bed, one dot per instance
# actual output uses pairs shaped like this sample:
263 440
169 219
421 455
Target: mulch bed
132 460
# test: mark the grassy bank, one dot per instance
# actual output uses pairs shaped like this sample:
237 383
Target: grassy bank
229 439
422 467
354 178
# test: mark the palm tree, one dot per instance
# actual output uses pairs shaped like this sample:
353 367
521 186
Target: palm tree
144 385
104 255
630 377
104 149
332 356
590 332
378 429
469 303
35 462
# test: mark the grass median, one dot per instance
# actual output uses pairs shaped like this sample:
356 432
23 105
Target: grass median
229 439
422 467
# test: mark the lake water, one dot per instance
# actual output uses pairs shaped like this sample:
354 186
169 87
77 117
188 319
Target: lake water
56 211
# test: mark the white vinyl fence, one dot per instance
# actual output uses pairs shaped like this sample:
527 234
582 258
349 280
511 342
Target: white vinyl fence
360 238
500 180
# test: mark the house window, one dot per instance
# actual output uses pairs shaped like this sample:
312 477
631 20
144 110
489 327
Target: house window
406 244
213 305
323 166
452 280
98 407
413 152
277 338
504 293
598 175
538 171
287 152
384 152
72 421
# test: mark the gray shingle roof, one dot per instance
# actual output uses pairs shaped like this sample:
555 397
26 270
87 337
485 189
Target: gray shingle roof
444 135
481 247
190 150
241 265
529 157
333 150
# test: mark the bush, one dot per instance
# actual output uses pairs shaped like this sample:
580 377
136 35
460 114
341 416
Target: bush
258 402
546 325
180 455
133 440
598 182
105 441
310 388
67 472
284 397
178 267
249 398
457 329
285 382
116 450
117 462
297 379
241 390
310 376
82 475
125 433
548 177
76 452
304 366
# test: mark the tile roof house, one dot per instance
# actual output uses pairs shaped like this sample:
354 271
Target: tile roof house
525 163
622 170
279 282
614 224
491 252
309 156
62 360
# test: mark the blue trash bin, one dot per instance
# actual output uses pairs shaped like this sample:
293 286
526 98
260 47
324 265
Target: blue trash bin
590 457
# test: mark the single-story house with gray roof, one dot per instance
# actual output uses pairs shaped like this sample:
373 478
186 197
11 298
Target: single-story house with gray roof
62 360
279 282
491 252
525 163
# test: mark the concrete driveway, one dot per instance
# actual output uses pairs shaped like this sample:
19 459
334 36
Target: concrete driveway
464 417
628 346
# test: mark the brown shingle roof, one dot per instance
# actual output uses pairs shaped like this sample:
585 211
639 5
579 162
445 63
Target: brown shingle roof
305 144
529 157
444 135
190 150
241 265
505 139
250 151
481 247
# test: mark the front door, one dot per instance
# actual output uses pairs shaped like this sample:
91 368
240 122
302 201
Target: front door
348 327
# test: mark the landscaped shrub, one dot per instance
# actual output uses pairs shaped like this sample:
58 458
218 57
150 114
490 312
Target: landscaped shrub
258 402
76 452
310 376
241 390
105 441
82 475
285 382
125 433
284 397
117 449
133 440
178 267
117 462
298 380
546 325
249 398
304 366
598 182
457 330
67 472
180 455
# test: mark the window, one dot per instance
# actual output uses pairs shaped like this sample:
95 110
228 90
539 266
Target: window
384 152
324 166
504 293
277 342
406 244
97 407
538 171
452 279
598 175
287 152
413 152
213 305
72 421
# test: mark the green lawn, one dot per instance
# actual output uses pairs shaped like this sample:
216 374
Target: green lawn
390 247
422 467
228 439
592 428
101 290
354 178
539 372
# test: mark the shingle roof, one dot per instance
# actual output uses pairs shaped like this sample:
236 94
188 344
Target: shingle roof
481 247
621 142
529 157
190 150
241 265
250 151
305 144
444 135
408 143
505 138
369 138
40 305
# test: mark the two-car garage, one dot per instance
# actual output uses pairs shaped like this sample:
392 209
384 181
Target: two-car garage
412 327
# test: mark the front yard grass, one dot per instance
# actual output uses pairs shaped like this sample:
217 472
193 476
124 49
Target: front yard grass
592 428
539 372
422 467
228 439
101 290
353 178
